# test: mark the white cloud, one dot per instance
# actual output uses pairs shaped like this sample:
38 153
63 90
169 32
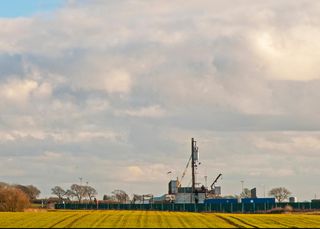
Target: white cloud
50 156
12 30
43 91
117 81
21 93
144 173
18 90
291 54
304 144
6 137
272 173
97 74
95 105
62 136
154 111
85 136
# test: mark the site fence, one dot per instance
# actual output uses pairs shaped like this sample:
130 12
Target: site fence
224 208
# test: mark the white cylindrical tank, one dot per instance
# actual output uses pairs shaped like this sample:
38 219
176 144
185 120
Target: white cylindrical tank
293 199
173 187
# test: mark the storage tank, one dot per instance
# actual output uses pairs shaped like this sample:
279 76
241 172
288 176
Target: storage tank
293 199
173 187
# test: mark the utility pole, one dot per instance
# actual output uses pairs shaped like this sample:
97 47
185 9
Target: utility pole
192 165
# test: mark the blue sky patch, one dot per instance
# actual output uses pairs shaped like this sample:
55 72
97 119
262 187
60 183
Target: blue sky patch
22 8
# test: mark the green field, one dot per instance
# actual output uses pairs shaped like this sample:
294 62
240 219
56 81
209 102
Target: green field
123 219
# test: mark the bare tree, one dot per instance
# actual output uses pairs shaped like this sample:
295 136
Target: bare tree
90 192
121 196
3 184
70 194
59 192
13 199
78 191
280 193
34 192
109 198
31 191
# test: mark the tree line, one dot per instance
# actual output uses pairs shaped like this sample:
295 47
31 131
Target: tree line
85 193
17 197
78 192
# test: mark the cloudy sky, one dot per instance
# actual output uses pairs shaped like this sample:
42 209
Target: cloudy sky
113 91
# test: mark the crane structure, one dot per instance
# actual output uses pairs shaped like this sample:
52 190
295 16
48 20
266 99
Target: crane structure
215 191
184 173
215 181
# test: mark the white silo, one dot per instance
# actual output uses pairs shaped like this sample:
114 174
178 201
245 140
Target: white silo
293 199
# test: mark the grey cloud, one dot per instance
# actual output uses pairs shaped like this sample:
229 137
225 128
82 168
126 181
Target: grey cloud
10 65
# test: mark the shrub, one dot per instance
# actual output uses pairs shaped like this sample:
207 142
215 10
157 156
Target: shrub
13 199
288 209
276 210
279 210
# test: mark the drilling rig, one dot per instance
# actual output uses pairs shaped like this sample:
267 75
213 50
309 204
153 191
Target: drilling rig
195 193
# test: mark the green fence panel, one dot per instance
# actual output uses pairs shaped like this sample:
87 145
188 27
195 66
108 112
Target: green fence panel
227 208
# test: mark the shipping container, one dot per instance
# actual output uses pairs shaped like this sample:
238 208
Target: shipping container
258 200
221 201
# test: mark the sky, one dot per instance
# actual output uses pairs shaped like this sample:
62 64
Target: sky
18 8
113 91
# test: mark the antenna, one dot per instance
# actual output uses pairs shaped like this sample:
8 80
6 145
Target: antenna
205 177
205 181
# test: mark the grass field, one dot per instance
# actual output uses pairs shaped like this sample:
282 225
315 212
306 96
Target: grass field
124 219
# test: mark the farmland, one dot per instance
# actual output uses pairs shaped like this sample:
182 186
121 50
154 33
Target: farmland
125 219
